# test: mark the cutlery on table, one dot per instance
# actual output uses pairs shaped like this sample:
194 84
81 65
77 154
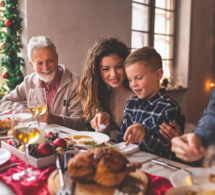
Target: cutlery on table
170 166
5 112
8 166
62 131
189 173
67 156
63 190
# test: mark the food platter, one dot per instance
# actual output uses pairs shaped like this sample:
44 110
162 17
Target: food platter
97 137
135 179
23 116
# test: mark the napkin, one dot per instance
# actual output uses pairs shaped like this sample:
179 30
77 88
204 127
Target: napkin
131 148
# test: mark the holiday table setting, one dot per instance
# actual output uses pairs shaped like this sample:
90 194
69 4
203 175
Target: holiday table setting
157 176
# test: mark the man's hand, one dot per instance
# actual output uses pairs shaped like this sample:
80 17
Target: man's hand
48 117
188 147
100 118
134 134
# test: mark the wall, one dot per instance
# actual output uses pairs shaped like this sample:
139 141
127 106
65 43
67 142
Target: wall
201 48
73 25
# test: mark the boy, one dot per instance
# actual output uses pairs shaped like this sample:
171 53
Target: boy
150 107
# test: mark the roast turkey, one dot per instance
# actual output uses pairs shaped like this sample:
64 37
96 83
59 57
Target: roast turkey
105 166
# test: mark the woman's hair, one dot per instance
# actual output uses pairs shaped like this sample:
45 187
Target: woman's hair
38 42
94 93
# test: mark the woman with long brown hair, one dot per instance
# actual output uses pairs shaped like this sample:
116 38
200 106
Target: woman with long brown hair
104 88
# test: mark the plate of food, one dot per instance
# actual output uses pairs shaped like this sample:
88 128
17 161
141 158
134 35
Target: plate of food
6 120
18 116
199 175
4 156
89 138
81 139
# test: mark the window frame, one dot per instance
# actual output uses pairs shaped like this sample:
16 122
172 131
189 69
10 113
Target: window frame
151 27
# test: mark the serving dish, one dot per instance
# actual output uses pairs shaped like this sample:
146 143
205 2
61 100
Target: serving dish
35 162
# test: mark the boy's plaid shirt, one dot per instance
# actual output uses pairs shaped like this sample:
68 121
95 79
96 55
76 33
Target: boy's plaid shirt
150 113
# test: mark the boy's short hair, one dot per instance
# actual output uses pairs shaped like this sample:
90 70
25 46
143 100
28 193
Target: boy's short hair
147 55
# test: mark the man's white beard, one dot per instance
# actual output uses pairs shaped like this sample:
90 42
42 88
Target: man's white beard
47 79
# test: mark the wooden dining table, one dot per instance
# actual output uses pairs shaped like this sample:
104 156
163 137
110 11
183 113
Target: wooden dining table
147 165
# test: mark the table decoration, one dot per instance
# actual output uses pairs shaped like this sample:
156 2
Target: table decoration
34 187
35 162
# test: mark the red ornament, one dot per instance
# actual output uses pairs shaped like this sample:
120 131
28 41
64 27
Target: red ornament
45 149
9 142
60 142
49 133
7 23
5 75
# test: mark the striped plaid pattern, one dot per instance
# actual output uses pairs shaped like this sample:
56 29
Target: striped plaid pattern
52 90
150 113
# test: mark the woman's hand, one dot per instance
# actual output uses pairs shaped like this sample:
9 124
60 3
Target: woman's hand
169 131
100 118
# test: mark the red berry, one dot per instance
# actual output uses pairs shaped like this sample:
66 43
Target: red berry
9 142
45 149
7 23
102 144
60 142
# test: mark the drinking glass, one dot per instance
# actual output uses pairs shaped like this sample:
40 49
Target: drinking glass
26 135
32 103
41 100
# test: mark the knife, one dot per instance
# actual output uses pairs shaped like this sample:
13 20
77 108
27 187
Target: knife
58 165
8 166
171 166
62 131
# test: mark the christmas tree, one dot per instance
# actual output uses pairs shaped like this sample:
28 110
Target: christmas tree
10 46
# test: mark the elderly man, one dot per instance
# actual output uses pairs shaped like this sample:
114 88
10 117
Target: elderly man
59 83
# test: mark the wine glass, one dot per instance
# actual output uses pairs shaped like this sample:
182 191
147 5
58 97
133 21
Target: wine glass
26 135
41 100
32 103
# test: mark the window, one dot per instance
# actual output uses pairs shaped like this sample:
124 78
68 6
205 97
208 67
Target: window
153 24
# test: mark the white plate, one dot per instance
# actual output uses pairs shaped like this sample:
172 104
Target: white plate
23 116
4 156
98 137
182 190
178 178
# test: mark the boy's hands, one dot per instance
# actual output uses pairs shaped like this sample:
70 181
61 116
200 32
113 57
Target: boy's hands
134 134
100 118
